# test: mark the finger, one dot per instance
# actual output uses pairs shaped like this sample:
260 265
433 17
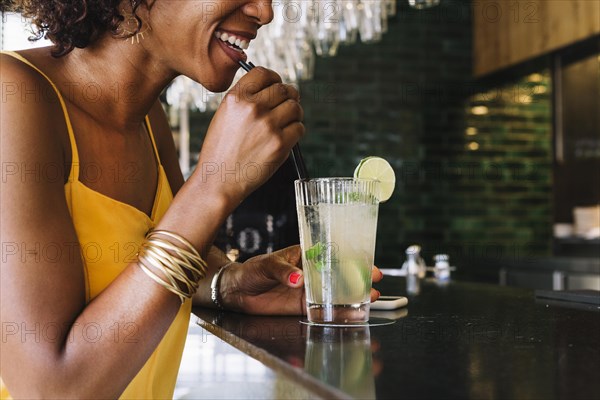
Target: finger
376 275
257 79
276 94
374 294
291 254
293 278
291 134
281 270
288 112
294 131
293 92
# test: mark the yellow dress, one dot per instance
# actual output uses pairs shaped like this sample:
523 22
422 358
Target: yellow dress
110 232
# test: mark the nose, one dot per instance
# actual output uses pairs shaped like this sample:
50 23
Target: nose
261 10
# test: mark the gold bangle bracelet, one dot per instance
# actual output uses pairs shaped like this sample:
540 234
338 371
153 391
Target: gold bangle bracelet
190 261
164 258
168 267
162 283
187 260
181 268
181 240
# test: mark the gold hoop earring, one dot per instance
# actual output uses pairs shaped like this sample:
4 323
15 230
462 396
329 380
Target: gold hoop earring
133 27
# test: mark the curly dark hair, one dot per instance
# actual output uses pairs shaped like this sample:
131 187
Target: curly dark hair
72 23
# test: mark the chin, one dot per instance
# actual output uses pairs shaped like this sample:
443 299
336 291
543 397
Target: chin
220 85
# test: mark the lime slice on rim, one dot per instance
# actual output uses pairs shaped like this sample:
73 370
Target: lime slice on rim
379 169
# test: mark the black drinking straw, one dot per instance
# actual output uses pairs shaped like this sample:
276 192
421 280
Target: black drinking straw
296 153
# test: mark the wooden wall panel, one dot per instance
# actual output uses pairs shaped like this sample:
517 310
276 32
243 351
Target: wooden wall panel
507 32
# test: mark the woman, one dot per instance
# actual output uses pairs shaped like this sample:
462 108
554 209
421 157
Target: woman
104 245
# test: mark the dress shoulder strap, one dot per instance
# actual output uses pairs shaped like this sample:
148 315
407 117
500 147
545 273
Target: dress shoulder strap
74 172
151 133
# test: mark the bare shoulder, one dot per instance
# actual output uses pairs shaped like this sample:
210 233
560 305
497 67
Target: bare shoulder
31 117
20 81
32 153
166 146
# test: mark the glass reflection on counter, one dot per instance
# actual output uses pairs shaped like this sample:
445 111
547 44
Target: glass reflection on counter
342 358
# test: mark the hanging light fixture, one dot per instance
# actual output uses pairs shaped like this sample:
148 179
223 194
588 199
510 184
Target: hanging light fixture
422 4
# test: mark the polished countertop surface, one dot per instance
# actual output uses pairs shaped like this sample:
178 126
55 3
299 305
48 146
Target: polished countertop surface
461 340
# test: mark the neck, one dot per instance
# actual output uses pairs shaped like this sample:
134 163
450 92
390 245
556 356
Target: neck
117 81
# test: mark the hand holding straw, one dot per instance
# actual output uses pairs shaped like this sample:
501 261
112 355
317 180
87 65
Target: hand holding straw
296 153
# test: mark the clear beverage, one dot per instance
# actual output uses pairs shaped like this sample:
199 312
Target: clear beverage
338 225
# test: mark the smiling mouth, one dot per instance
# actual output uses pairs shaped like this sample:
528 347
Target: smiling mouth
234 42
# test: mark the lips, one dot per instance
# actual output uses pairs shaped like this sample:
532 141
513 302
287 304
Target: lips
233 44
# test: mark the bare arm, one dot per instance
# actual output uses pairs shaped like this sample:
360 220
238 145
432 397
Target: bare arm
170 161
48 293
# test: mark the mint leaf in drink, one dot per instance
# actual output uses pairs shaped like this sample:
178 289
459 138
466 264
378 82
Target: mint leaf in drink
354 196
313 253
320 265
344 198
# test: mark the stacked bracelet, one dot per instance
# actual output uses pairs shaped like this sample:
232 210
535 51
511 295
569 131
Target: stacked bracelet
181 268
215 286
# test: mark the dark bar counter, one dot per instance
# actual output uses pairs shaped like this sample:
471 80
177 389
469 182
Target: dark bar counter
462 340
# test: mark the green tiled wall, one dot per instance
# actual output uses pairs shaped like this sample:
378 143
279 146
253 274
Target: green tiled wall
505 206
410 99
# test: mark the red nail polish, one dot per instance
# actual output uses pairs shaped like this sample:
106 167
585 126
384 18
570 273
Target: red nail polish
295 277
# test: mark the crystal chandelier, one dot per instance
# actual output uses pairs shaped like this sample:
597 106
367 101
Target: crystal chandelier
302 30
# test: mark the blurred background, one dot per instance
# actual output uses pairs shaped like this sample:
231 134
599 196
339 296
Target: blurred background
489 112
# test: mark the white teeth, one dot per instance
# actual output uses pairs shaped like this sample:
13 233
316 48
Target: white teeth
233 40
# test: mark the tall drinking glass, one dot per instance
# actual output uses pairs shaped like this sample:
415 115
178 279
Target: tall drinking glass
338 225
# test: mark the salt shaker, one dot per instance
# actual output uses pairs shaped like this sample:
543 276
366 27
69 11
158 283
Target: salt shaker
442 267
